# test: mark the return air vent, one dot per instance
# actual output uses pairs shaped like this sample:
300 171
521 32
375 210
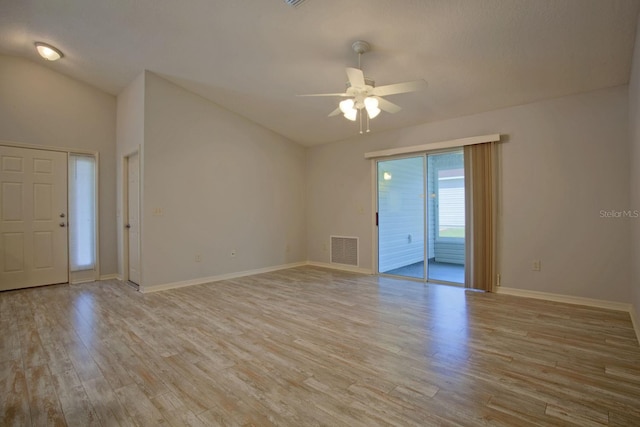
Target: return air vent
344 250
293 3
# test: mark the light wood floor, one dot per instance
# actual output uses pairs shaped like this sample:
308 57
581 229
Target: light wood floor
306 347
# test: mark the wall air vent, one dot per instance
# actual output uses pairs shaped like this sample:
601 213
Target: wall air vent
293 3
344 250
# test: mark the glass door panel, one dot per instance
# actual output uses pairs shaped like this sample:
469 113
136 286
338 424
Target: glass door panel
401 217
446 216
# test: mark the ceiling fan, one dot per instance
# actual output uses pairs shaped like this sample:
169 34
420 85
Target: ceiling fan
362 95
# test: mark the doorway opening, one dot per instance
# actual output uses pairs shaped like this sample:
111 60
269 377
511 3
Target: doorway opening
131 219
421 234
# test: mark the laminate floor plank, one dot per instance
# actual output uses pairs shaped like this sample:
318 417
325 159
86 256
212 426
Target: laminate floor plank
43 401
311 347
9 341
109 410
578 415
110 366
74 401
32 351
14 396
139 407
175 412
524 411
144 367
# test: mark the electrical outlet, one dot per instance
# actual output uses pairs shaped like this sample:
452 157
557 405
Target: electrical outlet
198 258
157 212
325 248
536 265
233 252
498 279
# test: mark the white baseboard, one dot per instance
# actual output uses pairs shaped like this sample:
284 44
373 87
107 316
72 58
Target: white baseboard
340 267
590 302
202 280
80 282
113 276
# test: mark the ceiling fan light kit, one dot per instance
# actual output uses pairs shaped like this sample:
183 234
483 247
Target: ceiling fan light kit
348 109
371 105
362 94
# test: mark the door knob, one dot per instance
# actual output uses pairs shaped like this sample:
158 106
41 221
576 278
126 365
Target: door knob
62 224
128 226
62 215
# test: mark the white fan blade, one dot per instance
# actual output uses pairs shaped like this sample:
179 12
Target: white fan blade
405 87
356 77
387 106
335 112
325 94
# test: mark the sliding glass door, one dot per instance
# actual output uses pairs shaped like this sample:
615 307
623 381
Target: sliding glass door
422 237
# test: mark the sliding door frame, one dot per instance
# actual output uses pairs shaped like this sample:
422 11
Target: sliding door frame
376 209
433 147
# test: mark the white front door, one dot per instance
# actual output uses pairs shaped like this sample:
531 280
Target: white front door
33 218
133 216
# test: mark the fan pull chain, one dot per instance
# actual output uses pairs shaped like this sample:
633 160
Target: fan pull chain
360 111
368 130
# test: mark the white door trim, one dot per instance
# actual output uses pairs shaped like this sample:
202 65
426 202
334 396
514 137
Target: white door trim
125 213
47 148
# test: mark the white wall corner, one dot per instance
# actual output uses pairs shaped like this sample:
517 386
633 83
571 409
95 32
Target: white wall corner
569 299
636 322
218 278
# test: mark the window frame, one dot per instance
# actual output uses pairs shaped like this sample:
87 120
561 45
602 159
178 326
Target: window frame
92 274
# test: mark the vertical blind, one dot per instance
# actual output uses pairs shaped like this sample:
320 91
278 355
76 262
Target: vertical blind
82 212
480 233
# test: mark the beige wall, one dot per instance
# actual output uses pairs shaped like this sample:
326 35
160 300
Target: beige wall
256 192
634 122
223 183
40 106
564 161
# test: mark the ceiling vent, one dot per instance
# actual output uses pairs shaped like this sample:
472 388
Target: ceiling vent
293 3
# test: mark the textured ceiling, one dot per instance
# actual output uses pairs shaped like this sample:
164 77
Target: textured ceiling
254 56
